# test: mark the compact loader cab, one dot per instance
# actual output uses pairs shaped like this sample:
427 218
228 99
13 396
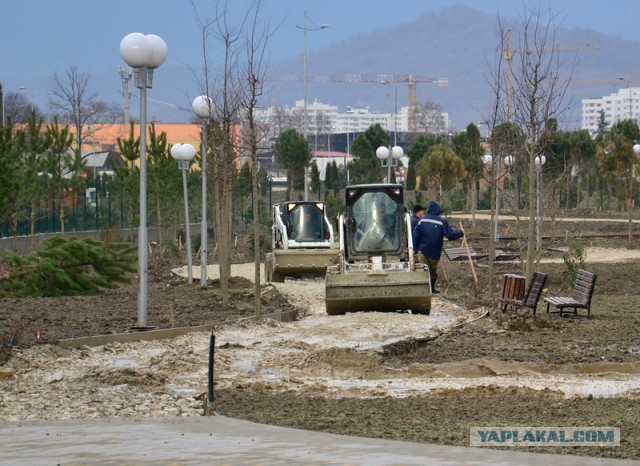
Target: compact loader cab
376 270
302 242
375 222
301 223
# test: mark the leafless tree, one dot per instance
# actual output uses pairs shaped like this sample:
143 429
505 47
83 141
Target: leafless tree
105 113
19 108
529 84
253 75
71 94
281 120
223 142
322 126
429 118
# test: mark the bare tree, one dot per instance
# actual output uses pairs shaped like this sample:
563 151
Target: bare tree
429 118
538 98
529 83
229 106
253 74
71 94
103 112
19 108
281 120
223 145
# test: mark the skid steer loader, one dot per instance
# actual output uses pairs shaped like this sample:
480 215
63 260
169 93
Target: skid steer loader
376 270
302 241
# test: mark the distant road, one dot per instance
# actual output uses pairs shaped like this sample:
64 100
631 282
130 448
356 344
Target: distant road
484 216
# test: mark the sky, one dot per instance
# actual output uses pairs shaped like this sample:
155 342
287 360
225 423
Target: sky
43 37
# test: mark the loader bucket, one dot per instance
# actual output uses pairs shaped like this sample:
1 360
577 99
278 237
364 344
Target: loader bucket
380 291
297 263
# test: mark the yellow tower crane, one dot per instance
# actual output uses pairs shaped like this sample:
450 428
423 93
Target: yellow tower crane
509 53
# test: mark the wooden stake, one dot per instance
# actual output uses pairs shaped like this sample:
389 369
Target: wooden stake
444 271
466 245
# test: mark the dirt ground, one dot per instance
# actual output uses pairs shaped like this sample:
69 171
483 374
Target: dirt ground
602 354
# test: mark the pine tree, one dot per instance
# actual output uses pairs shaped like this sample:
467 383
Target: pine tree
66 267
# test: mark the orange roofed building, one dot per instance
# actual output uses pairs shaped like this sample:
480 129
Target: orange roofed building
103 137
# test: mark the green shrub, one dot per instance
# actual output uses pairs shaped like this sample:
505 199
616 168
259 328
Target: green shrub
574 259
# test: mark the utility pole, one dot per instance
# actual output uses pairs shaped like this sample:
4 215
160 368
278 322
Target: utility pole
125 75
306 79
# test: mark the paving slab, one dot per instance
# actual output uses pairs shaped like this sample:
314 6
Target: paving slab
221 440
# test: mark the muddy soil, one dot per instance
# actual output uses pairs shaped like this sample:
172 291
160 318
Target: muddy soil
444 416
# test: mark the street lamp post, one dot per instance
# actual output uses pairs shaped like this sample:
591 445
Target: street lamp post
539 162
305 81
203 108
125 77
388 157
184 154
143 53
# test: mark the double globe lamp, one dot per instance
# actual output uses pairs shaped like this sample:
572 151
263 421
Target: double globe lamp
143 53
390 156
202 106
184 154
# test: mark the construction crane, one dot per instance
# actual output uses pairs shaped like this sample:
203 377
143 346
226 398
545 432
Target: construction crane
509 52
410 79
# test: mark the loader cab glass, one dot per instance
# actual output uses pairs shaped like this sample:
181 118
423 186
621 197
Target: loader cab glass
306 223
376 219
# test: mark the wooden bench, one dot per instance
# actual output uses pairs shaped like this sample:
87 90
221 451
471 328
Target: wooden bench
460 254
531 295
581 298
500 255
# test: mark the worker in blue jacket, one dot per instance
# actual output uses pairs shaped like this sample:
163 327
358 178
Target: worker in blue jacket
428 238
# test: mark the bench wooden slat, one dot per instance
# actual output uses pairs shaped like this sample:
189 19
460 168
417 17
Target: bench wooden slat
531 297
580 299
500 255
459 254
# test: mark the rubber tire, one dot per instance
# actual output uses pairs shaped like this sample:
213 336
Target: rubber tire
334 313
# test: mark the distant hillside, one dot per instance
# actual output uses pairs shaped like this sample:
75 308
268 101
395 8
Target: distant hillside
459 43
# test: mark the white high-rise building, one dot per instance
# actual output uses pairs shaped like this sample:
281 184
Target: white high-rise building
323 119
623 105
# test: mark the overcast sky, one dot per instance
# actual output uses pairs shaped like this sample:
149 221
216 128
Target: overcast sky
40 37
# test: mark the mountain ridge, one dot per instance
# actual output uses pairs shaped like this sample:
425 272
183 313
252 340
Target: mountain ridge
458 43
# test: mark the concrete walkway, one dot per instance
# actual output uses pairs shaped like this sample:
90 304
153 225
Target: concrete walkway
221 440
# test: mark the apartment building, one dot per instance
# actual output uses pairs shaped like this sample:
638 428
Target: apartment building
325 119
623 105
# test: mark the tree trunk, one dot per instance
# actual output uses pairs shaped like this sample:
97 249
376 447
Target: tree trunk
256 234
492 244
474 203
32 221
62 217
531 236
629 209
